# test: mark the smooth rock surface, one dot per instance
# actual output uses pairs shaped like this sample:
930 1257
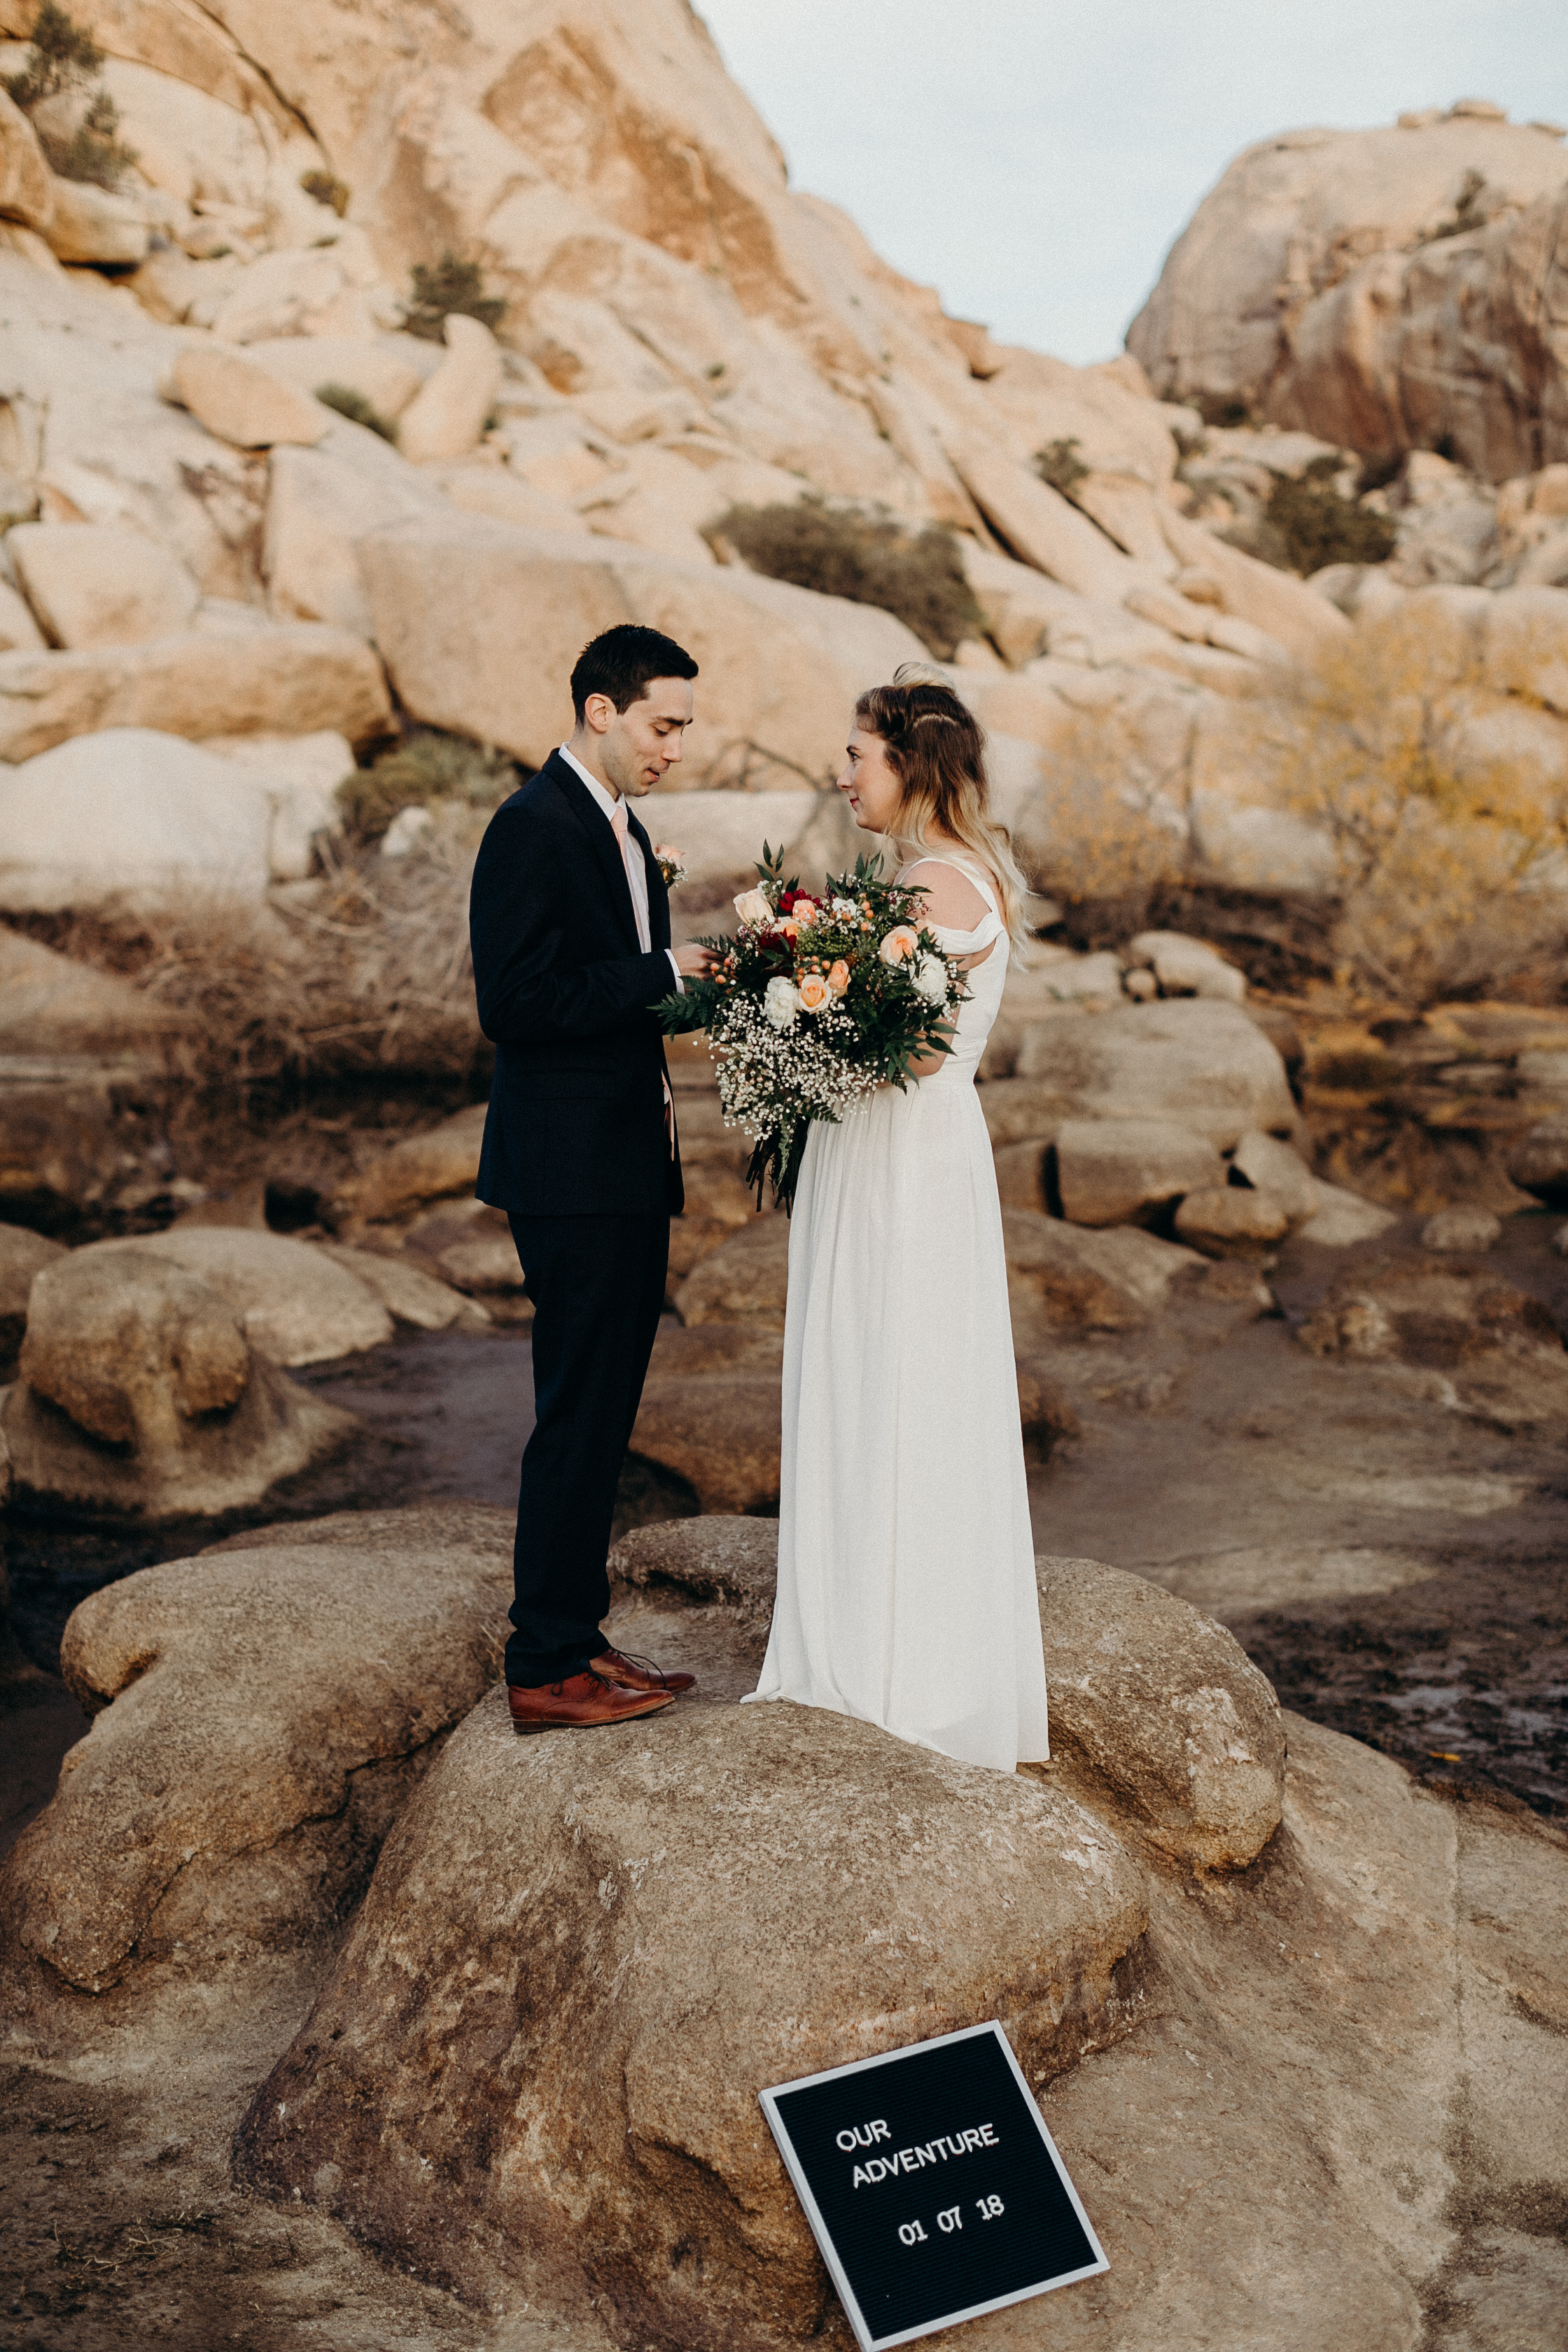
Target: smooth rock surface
710 1413
408 1293
1538 1164
141 1399
88 224
1272 1166
129 817
1070 1279
50 1004
1341 1219
1233 1221
1158 1711
605 2124
1203 1064
96 585
294 1304
290 680
1116 1172
247 1751
1187 967
1461 1229
26 183
243 404
447 416
22 1255
743 1281
442 1163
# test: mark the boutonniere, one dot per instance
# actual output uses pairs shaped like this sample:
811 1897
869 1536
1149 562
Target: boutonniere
671 866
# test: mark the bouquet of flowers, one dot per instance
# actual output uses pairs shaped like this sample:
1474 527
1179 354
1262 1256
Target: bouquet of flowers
815 1003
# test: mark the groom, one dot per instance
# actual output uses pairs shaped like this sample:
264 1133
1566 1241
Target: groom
569 923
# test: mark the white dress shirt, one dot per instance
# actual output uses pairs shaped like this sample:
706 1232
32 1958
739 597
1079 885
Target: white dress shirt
632 859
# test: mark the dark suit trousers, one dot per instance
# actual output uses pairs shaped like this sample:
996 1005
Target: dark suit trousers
598 1288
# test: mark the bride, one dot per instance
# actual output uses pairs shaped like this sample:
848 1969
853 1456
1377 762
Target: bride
906 1581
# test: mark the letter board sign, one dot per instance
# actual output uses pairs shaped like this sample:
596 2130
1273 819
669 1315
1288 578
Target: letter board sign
931 2185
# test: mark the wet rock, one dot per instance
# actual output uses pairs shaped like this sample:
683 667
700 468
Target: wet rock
243 404
1200 1064
294 1304
141 1399
1271 1166
22 1255
1538 1164
744 1281
1462 1229
1117 1172
1460 1337
1157 1712
249 1748
1233 1221
98 584
604 2123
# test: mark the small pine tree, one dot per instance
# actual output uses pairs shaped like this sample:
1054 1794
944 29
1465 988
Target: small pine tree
450 284
64 59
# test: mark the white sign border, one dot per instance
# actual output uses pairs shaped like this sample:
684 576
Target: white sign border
868 2343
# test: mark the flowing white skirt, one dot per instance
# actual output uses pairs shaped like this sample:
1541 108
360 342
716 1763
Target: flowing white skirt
906 1584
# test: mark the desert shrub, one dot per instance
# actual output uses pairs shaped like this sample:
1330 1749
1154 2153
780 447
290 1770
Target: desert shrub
450 284
1059 464
1450 860
1106 833
1222 410
63 60
356 408
425 770
326 188
1317 524
918 575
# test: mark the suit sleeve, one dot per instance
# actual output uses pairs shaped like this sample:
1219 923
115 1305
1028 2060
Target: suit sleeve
523 995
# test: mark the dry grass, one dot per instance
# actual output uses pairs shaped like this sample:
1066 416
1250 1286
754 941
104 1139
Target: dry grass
1452 859
1109 830
370 978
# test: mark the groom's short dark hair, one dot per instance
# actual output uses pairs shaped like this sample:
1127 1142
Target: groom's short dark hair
622 661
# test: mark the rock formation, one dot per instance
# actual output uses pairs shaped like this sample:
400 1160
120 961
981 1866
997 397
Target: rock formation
141 1399
1386 289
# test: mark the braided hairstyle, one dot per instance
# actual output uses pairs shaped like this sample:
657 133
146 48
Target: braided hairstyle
936 748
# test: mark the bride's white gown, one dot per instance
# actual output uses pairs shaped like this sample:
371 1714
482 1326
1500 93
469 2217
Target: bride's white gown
906 1583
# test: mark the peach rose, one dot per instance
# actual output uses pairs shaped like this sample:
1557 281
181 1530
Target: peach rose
815 993
900 944
752 907
838 976
804 911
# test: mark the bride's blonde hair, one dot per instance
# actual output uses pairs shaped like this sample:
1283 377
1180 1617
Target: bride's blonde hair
936 748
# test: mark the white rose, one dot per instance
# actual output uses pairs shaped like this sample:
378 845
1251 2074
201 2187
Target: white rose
781 1002
930 977
753 907
844 907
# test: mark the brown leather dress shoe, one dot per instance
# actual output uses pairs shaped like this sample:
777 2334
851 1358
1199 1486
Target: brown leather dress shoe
640 1674
580 1701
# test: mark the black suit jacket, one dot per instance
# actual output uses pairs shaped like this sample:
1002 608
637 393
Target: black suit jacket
576 1124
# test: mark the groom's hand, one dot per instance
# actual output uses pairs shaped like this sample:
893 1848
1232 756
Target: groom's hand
693 962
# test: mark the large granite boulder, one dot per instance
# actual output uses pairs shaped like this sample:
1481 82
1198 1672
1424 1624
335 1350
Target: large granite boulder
140 1398
52 1005
708 1419
294 1302
259 1716
101 584
734 1896
1340 280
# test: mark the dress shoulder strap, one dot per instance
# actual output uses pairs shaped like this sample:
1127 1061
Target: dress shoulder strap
971 870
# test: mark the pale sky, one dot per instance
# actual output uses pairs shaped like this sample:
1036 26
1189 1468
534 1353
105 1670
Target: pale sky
1034 159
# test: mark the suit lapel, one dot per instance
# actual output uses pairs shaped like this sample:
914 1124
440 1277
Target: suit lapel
657 896
602 842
